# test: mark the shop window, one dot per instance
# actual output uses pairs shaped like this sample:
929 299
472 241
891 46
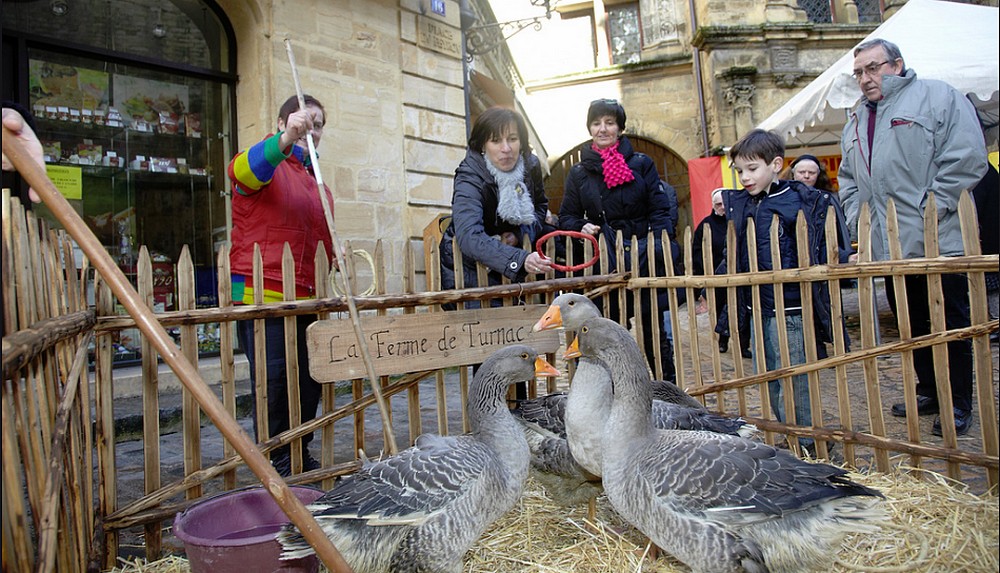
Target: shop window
623 32
133 109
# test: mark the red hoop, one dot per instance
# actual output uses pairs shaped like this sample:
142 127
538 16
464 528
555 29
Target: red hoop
576 235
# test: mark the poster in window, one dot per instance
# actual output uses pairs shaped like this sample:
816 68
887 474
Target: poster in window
52 84
141 99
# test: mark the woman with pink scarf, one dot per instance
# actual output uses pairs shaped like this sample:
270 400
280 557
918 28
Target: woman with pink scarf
615 188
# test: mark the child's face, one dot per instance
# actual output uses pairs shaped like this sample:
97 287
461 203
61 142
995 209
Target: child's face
756 175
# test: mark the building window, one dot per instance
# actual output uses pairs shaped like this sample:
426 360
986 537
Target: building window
624 35
869 11
818 11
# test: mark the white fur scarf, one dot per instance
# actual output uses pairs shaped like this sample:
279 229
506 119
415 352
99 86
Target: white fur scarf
515 203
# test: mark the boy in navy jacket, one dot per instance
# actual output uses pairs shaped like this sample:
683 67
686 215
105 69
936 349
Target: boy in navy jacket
759 157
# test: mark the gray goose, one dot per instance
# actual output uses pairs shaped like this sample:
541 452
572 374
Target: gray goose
552 463
583 412
422 509
718 503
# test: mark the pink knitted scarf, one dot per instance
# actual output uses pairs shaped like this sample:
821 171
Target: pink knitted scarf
616 171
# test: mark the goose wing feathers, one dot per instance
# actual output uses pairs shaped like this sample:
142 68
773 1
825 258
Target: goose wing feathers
414 484
547 413
732 479
668 416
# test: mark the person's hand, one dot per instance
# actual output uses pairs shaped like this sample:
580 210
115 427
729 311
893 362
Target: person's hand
590 229
852 258
297 126
702 306
509 239
536 264
21 130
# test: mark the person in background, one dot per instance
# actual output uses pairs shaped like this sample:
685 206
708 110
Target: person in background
276 201
808 169
758 158
716 221
615 188
498 199
906 139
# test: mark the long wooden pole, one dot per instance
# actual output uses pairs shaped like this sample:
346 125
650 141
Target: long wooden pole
383 408
14 149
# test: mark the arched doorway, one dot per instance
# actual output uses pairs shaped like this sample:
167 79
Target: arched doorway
666 161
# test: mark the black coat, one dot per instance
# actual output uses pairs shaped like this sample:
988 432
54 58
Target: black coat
634 208
741 206
476 224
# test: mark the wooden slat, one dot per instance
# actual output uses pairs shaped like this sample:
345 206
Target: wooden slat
413 394
981 345
839 337
104 436
260 349
732 302
757 327
905 332
942 373
328 397
809 333
292 355
869 322
191 412
150 406
227 361
781 326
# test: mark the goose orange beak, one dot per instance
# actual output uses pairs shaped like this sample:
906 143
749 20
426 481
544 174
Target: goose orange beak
544 369
551 319
574 349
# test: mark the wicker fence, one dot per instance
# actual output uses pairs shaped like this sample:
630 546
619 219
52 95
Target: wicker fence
62 509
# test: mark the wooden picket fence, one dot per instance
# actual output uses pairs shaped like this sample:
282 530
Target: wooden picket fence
62 508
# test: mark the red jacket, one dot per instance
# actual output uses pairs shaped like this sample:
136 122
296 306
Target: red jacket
286 209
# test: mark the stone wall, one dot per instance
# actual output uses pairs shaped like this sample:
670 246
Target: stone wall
395 125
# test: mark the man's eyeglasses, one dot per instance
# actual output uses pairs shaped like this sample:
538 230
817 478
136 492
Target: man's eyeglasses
870 70
605 101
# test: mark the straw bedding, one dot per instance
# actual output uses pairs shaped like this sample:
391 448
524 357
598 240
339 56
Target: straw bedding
935 526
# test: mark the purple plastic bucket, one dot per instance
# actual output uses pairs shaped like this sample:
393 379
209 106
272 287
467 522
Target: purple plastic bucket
234 532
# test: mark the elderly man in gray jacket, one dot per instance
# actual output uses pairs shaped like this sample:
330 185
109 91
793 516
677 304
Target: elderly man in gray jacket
905 140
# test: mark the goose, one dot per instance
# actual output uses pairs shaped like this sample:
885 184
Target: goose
569 310
423 508
585 408
718 503
552 463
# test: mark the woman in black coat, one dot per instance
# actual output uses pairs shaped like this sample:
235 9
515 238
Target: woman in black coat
498 198
615 188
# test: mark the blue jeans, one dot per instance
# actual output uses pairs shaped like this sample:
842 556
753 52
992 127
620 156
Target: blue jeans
796 355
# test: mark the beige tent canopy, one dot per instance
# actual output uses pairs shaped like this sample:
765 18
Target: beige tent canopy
955 43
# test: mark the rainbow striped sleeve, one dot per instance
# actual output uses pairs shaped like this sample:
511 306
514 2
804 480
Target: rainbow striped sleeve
253 168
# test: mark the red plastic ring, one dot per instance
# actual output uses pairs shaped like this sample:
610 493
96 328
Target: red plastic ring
576 235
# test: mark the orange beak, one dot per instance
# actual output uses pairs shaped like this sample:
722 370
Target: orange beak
574 349
544 369
551 319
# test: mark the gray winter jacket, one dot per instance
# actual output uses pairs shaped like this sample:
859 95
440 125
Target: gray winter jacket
927 140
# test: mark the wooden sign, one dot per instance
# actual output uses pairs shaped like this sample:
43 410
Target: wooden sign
411 342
